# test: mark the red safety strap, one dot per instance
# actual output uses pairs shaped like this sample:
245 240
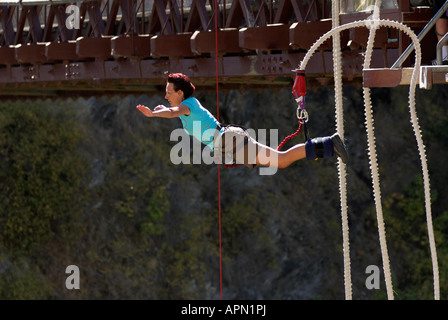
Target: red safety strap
299 87
299 91
231 165
291 135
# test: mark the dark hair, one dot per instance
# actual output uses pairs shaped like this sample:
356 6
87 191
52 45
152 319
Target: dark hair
181 82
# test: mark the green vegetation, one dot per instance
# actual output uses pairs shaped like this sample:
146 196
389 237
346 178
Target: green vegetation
42 182
91 183
412 261
41 176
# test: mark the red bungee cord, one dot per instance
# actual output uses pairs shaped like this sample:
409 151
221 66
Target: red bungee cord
291 135
299 91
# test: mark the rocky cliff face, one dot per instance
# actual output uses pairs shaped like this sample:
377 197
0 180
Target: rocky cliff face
150 228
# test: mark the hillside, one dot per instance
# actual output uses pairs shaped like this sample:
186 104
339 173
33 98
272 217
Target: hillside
90 183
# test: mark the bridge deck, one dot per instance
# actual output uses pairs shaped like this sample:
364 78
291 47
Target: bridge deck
64 48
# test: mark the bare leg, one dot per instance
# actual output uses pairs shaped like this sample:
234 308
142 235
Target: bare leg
323 147
268 156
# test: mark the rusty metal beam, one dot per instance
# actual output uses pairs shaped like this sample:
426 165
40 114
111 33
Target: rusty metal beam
271 65
138 46
112 17
383 77
128 16
283 14
270 37
239 11
171 45
48 28
198 17
20 24
123 46
95 19
33 53
262 16
83 13
204 42
34 23
288 9
159 21
61 51
98 48
313 31
7 26
8 55
64 34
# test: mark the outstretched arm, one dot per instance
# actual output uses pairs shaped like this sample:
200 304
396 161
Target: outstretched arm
164 112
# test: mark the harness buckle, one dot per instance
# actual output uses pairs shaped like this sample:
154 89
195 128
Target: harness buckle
302 115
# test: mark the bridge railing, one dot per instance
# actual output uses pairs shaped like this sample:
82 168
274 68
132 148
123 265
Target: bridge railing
104 43
32 21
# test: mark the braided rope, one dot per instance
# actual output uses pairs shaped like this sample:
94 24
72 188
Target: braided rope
417 132
373 159
342 172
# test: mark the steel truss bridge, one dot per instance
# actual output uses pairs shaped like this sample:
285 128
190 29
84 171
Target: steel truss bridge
52 49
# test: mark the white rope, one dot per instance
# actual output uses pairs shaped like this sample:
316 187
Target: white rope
421 148
373 157
337 71
374 165
374 23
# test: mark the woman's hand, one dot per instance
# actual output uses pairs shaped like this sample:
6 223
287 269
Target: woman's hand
161 111
160 107
145 110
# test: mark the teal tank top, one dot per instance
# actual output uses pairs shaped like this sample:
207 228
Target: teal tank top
200 123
